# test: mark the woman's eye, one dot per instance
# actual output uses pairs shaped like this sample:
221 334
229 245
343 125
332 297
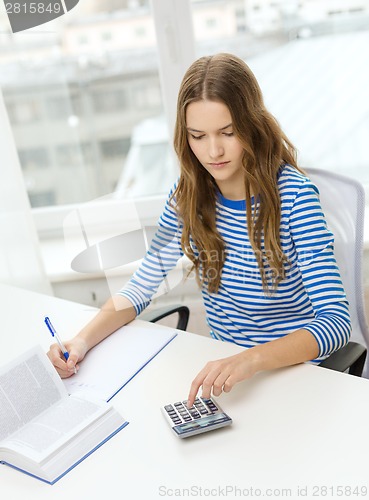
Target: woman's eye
197 137
230 134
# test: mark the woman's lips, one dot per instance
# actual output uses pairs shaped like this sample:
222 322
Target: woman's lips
219 164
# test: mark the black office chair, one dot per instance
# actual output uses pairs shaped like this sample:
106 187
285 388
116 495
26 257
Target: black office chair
350 358
163 312
343 203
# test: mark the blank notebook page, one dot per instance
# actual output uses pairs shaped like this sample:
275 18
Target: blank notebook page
112 363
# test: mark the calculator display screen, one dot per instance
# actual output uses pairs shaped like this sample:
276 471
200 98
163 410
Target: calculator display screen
201 422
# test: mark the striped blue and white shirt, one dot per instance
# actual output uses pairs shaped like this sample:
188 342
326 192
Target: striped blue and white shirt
311 296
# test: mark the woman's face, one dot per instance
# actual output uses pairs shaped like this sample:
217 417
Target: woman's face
210 136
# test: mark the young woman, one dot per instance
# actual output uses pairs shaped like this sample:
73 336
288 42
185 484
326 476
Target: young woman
252 225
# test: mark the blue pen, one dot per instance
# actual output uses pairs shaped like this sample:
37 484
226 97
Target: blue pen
57 338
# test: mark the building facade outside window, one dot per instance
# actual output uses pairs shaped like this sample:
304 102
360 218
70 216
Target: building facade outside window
81 97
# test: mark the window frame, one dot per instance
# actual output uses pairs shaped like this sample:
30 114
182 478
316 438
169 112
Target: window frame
176 51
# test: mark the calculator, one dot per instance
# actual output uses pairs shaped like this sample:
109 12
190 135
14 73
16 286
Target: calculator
205 415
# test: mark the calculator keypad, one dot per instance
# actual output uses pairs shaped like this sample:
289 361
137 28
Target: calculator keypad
203 416
179 413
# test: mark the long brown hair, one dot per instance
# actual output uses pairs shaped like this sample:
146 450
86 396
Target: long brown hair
226 78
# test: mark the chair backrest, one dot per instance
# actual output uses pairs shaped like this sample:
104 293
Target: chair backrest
343 203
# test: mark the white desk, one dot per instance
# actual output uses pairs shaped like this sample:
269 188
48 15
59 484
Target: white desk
293 428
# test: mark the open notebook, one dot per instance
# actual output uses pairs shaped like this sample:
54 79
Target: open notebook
110 365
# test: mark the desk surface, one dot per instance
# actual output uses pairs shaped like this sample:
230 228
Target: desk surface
296 430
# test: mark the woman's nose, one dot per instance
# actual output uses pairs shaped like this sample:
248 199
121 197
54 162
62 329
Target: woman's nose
215 148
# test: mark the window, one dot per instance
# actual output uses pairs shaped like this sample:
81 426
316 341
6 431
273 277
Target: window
140 31
106 36
75 92
115 148
33 158
357 10
311 70
68 154
58 107
108 100
83 40
211 22
146 96
42 198
22 111
240 19
75 108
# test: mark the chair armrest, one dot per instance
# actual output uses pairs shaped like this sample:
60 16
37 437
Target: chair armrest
351 357
158 314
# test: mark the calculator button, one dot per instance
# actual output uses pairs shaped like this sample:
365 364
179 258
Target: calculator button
210 405
185 404
195 414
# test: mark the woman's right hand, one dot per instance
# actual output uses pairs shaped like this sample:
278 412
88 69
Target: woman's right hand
77 349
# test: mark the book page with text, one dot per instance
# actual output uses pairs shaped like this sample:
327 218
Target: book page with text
55 427
28 386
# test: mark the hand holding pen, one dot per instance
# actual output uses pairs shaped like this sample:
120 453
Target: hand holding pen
57 338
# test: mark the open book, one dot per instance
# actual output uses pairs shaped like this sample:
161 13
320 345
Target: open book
44 431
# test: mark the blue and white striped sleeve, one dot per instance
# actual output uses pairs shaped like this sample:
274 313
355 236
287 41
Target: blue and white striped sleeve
162 256
314 244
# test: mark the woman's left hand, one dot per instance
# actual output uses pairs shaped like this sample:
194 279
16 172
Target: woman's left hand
222 375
